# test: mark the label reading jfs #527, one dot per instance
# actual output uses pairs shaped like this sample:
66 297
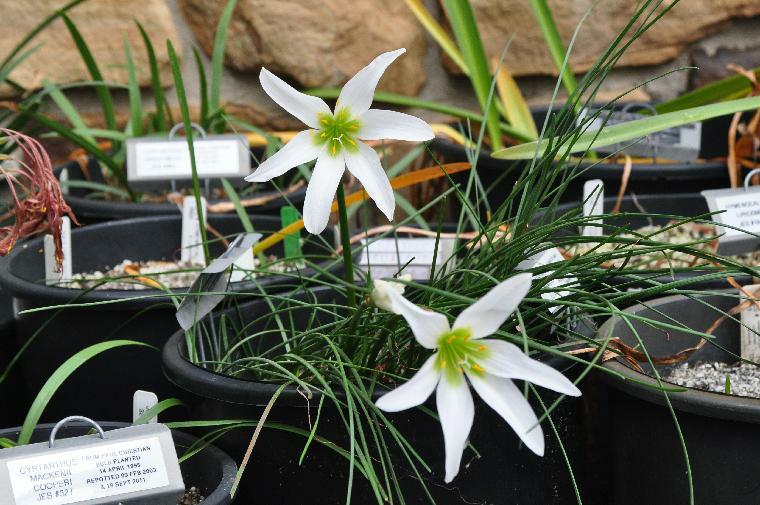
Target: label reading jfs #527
90 473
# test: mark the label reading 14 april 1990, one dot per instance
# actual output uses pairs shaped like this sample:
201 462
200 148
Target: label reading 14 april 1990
90 473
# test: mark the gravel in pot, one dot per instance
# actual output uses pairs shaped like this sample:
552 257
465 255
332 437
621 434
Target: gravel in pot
146 315
685 266
721 431
209 474
505 472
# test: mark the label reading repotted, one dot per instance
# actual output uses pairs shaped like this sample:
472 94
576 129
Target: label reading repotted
138 463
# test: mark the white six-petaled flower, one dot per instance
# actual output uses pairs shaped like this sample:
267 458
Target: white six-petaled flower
463 355
333 140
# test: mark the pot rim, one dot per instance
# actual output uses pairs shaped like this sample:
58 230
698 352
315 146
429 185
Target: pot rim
88 206
19 287
228 465
678 170
693 401
216 386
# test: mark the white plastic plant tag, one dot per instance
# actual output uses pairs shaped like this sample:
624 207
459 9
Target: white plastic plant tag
52 276
192 241
593 205
383 258
681 143
549 256
142 401
740 208
243 266
209 288
154 160
750 327
63 178
137 464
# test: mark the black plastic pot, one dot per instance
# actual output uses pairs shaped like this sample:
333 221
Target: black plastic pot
146 315
676 204
506 472
645 178
721 432
89 210
12 390
211 471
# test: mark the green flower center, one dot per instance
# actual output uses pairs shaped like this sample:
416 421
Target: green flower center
456 352
338 131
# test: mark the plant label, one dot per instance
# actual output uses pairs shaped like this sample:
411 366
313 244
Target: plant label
209 288
681 143
63 179
243 266
192 241
738 208
386 257
593 205
54 275
547 257
137 464
750 327
142 401
155 160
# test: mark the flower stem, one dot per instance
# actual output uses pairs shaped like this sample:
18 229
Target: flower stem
345 238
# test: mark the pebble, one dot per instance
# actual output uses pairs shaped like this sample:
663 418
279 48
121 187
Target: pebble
191 497
129 275
711 376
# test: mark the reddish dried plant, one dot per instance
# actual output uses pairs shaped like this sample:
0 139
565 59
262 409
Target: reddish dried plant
38 204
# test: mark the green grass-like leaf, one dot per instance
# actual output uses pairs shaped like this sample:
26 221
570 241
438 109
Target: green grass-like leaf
466 31
102 90
135 100
185 110
630 130
155 82
59 377
217 57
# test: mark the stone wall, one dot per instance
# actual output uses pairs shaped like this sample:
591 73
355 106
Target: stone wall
323 42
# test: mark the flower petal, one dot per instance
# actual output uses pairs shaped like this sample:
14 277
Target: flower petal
509 361
359 91
507 400
305 107
379 124
300 149
414 392
321 190
456 412
485 316
427 326
365 165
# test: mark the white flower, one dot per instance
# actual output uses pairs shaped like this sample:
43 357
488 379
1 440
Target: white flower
380 288
488 365
333 140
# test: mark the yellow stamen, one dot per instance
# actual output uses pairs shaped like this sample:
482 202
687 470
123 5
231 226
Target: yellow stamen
477 368
443 363
451 339
482 348
334 149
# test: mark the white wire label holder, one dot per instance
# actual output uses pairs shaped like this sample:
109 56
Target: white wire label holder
152 160
136 465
